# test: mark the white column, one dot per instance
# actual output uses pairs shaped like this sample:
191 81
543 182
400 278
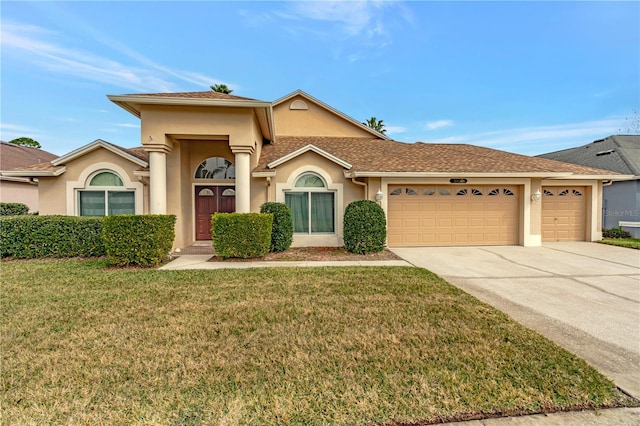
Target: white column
158 182
243 182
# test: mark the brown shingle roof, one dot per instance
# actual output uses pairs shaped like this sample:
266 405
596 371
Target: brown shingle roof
376 155
193 95
14 156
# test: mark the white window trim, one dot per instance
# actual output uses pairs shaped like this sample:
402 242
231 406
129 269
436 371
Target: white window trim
74 187
334 239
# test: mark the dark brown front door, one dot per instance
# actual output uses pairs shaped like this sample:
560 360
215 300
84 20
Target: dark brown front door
209 200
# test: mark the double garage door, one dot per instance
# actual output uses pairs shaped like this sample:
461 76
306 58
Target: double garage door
431 215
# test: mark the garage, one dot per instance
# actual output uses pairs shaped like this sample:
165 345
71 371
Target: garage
563 213
448 215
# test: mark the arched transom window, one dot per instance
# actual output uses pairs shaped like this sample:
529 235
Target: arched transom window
105 195
215 168
312 205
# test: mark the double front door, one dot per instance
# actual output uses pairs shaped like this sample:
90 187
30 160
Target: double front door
210 200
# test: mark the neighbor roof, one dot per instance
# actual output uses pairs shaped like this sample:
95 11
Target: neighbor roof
370 157
619 153
13 156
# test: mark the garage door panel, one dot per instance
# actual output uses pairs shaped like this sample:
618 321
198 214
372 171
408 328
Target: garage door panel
488 217
563 214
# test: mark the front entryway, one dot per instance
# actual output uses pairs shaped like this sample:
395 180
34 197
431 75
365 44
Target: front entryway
209 200
447 215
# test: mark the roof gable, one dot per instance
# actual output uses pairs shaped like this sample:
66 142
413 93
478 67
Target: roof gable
135 155
307 148
289 111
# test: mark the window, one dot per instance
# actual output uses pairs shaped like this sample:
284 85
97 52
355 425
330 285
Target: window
312 205
105 195
216 168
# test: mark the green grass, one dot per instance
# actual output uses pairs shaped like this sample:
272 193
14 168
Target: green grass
83 344
622 242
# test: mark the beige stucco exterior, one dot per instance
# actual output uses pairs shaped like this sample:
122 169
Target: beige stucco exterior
316 120
179 137
20 190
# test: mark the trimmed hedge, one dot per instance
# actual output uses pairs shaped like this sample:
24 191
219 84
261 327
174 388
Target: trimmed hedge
365 228
243 235
13 209
282 231
30 237
142 240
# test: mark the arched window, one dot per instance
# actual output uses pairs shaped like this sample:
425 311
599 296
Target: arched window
105 195
215 168
312 205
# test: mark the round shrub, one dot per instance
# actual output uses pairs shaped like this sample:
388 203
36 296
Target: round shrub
282 233
365 228
13 209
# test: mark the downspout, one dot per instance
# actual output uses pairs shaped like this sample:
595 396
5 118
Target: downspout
366 189
268 187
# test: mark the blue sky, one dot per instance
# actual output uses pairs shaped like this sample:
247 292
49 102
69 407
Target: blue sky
525 77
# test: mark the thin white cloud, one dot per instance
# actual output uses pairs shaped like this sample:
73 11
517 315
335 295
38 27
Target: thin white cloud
15 127
392 130
438 124
366 23
128 125
38 46
10 131
541 139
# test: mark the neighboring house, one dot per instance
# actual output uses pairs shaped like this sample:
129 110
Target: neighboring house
20 189
620 198
206 152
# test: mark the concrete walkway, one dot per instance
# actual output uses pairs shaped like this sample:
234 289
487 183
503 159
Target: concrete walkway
202 262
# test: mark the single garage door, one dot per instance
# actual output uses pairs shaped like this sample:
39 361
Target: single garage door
563 213
429 215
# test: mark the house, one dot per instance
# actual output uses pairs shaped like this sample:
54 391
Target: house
620 198
20 189
207 152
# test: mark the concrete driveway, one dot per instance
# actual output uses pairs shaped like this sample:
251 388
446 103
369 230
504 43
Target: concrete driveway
583 296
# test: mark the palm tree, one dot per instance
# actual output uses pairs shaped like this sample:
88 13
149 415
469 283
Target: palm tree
375 124
221 88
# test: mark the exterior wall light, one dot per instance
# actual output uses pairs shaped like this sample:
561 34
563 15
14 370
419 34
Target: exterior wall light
379 195
536 196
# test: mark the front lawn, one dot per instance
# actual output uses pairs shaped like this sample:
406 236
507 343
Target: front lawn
83 344
622 242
